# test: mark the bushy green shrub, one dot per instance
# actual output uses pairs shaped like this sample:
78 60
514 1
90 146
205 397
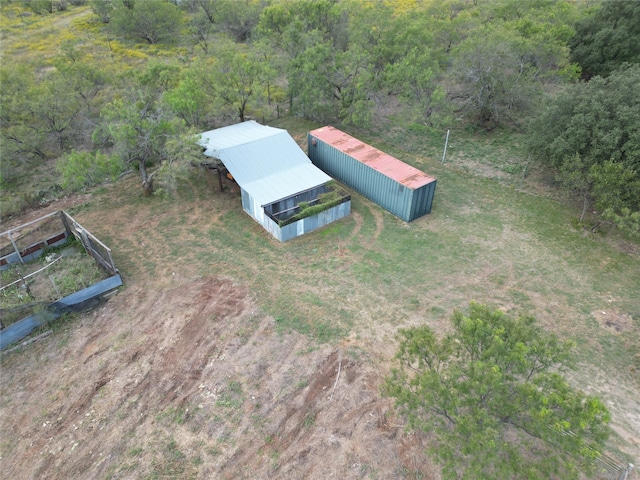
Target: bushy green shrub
81 169
40 7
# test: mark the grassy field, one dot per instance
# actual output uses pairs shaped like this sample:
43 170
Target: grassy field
354 283
486 240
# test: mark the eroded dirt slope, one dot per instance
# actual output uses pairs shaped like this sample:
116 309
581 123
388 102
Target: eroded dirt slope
194 382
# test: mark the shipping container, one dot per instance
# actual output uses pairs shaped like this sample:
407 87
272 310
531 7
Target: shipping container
396 186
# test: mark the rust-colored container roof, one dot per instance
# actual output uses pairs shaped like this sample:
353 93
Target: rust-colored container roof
382 162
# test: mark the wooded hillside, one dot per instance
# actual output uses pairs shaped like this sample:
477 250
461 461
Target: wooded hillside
91 89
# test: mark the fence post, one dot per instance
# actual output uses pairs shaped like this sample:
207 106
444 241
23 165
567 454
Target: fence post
65 222
446 142
626 472
15 247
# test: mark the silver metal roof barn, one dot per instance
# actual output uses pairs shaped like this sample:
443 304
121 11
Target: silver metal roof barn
265 161
281 189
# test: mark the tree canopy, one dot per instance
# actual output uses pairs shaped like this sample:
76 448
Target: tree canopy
150 20
607 39
138 127
492 394
588 126
443 64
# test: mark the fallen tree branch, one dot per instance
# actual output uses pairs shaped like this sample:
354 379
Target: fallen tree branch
336 382
124 174
27 342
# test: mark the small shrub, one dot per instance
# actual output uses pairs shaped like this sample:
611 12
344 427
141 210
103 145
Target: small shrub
81 169
40 7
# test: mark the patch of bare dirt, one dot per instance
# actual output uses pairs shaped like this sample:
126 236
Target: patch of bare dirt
63 203
359 222
192 381
613 320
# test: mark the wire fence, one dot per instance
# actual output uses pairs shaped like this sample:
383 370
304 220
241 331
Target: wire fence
608 467
91 244
32 239
41 261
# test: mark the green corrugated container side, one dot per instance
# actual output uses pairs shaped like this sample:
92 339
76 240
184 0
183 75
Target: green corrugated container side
404 202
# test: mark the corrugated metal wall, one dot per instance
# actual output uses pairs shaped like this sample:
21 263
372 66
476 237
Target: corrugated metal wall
291 202
308 224
402 201
293 230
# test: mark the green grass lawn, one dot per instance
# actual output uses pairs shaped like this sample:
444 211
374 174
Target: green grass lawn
371 272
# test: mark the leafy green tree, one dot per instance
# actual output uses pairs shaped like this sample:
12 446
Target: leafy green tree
40 7
388 37
274 21
188 99
574 174
616 188
150 20
352 86
54 110
331 84
492 394
288 24
236 76
607 39
415 78
238 18
137 127
544 28
200 30
496 81
451 23
325 79
182 152
274 64
39 116
206 7
159 77
85 79
22 141
374 29
103 9
588 125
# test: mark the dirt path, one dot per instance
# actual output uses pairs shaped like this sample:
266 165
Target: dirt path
65 20
379 219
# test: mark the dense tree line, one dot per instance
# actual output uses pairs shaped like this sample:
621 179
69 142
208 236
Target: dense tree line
341 61
590 135
590 132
